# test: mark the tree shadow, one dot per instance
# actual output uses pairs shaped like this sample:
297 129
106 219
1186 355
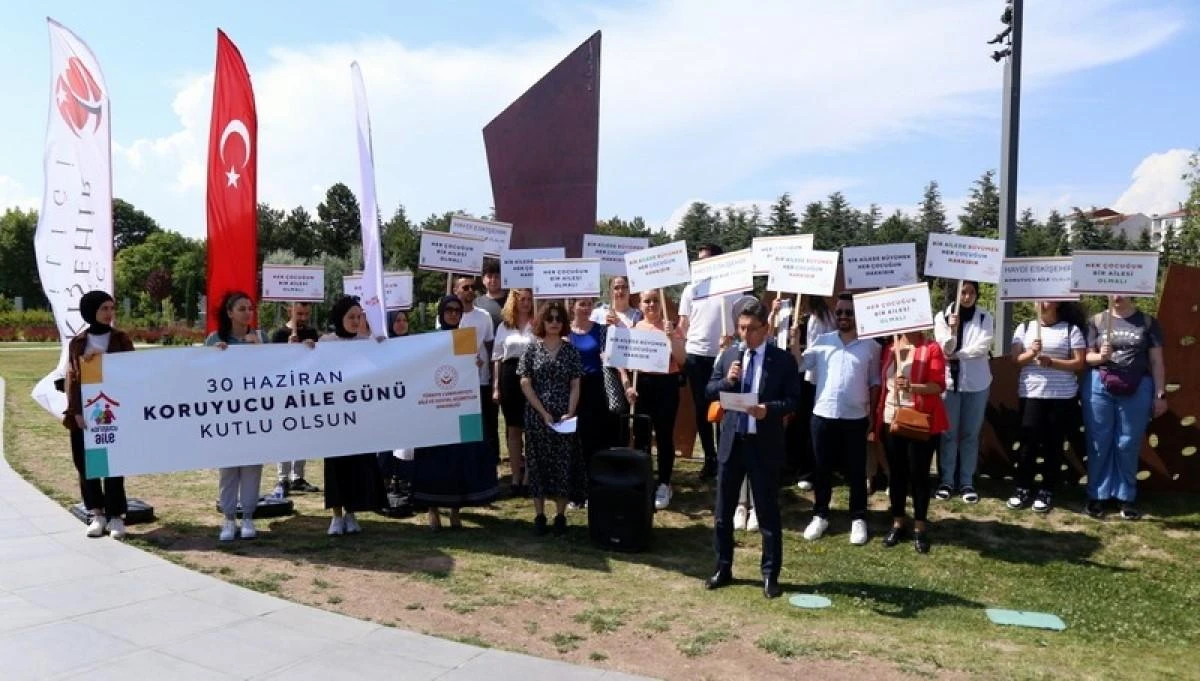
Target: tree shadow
890 601
1018 544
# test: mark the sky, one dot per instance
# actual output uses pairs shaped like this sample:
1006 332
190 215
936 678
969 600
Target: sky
731 103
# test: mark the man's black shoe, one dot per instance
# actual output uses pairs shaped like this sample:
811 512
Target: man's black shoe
718 580
771 588
708 471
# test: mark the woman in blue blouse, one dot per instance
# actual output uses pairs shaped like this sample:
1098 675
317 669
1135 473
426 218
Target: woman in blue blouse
596 423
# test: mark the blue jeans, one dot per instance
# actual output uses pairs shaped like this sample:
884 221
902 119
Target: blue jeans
1116 425
959 453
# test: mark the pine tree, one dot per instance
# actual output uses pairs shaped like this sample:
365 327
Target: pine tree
341 225
897 228
1143 242
813 220
1056 230
783 217
1189 233
840 223
1086 235
981 215
931 217
699 226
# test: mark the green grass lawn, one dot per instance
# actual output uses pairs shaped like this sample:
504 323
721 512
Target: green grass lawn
1128 591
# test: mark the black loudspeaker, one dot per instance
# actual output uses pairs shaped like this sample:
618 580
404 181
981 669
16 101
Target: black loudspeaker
621 499
267 507
139 512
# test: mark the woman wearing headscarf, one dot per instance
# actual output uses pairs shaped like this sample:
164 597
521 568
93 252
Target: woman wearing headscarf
456 475
238 484
104 499
353 483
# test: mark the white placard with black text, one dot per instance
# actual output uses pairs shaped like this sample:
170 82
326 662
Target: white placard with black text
764 248
516 265
893 310
611 250
452 253
950 256
637 350
1037 279
497 234
658 267
721 274
566 278
293 283
1122 273
397 288
880 266
803 271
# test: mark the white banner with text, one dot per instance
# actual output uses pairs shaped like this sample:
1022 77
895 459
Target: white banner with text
637 350
893 310
950 256
566 278
611 250
516 265
658 267
293 283
1122 273
880 266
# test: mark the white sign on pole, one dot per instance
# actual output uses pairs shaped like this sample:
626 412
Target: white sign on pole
497 234
293 283
658 267
893 310
880 266
516 265
1037 279
950 256
452 253
566 278
637 350
725 273
803 272
1120 273
263 403
397 288
765 247
611 250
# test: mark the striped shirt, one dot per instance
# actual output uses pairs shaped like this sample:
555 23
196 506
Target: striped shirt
1044 383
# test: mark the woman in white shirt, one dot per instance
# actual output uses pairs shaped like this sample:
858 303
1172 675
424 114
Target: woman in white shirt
1050 350
620 312
514 334
965 336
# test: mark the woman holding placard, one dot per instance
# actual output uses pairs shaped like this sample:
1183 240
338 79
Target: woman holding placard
657 395
620 312
596 425
1123 391
513 336
1050 351
353 483
550 372
964 331
238 484
908 419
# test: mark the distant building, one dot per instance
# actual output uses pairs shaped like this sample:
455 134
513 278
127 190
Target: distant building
1159 224
1130 224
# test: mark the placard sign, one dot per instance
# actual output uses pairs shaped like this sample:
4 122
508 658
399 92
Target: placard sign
637 350
611 250
804 272
658 267
1037 279
893 310
293 283
725 273
497 234
950 256
1121 273
880 266
397 288
764 248
566 278
516 265
452 253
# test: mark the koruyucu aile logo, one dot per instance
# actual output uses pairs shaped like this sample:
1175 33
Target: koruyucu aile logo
79 97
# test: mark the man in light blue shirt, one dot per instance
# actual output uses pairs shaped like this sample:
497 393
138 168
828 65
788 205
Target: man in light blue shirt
846 369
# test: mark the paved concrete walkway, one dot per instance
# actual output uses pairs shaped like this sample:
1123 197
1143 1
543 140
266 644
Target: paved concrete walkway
79 608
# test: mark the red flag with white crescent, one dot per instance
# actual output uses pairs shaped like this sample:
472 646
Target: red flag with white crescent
232 181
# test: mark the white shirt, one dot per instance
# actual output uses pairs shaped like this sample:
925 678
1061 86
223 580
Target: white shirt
481 321
845 374
98 341
816 328
1046 383
704 321
510 343
755 380
974 370
629 317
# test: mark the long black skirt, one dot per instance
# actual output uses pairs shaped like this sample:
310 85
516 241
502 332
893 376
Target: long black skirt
354 484
454 476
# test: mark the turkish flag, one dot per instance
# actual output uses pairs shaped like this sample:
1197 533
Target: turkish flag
232 182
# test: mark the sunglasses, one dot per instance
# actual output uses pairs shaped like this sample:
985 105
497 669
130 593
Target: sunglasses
844 313
554 319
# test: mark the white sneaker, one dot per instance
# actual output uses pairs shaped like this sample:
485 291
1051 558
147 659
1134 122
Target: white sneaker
337 526
228 531
662 497
279 492
858 532
816 528
752 522
96 527
249 531
116 528
352 526
739 518
804 485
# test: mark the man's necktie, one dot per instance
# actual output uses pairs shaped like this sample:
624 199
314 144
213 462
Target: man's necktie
747 386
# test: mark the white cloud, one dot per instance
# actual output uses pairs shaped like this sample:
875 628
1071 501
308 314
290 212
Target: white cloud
696 97
14 195
1158 185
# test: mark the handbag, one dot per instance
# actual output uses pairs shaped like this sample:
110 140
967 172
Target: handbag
908 422
614 392
1118 380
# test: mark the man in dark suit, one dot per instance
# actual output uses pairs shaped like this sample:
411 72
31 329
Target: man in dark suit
752 442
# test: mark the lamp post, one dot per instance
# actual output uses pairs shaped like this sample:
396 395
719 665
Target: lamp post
1009 41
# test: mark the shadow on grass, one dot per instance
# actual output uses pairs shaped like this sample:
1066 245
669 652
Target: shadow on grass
890 601
995 540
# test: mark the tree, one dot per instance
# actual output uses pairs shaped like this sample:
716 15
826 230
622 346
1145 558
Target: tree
931 217
981 215
1143 242
18 260
897 228
1056 230
841 224
737 228
130 225
166 251
299 234
637 227
1033 238
1189 233
340 222
783 218
270 228
1086 235
1172 250
698 227
158 284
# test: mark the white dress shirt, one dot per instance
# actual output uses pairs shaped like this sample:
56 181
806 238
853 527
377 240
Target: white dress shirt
845 374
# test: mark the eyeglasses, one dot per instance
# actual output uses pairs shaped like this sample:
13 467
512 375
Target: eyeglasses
844 313
554 319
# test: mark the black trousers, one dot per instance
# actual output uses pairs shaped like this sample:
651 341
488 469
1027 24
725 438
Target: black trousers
598 427
491 420
909 461
658 398
748 458
1044 428
799 463
698 369
106 494
840 443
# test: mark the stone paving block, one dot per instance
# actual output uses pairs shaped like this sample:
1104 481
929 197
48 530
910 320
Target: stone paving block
18 613
151 665
353 664
249 648
20 548
497 665
42 652
330 624
161 620
419 647
23 574
173 577
54 523
244 601
79 597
